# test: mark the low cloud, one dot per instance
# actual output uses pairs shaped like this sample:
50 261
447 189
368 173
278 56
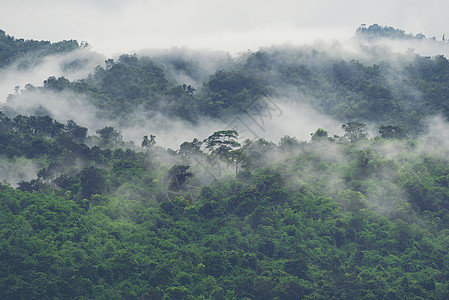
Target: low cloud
13 171
61 106
435 141
33 70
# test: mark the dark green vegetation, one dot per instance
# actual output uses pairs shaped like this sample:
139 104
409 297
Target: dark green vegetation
12 48
347 217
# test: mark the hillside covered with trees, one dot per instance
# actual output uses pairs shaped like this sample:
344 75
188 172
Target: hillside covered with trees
86 213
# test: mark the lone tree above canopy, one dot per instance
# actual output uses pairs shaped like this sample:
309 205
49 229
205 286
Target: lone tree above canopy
221 142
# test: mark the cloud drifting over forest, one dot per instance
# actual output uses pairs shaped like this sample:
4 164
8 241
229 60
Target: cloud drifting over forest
115 27
33 70
124 26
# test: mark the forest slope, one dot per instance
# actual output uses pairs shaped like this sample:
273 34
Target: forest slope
94 216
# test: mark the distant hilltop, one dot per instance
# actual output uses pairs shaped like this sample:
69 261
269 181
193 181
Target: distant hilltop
377 31
11 48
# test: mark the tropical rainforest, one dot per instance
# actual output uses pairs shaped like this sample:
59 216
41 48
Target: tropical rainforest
357 211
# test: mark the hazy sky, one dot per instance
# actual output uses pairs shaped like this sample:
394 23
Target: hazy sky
117 26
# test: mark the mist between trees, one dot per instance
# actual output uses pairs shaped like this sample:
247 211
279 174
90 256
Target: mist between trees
311 172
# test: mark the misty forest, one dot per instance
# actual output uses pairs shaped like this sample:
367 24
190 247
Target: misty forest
293 172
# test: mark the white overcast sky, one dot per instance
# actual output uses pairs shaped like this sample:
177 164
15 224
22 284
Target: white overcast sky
118 26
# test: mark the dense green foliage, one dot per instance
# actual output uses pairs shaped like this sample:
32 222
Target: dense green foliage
329 219
348 217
